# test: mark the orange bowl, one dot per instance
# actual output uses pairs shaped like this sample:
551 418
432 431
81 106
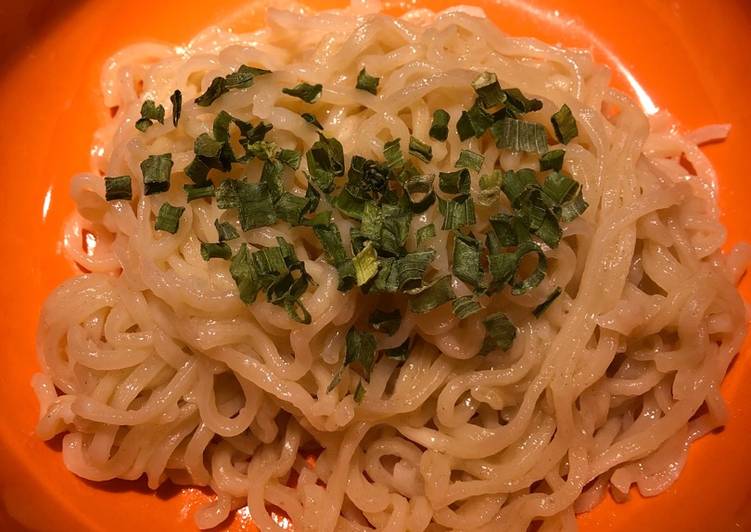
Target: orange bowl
689 56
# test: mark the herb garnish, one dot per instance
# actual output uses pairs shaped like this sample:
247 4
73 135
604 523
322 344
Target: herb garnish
168 218
564 125
367 82
117 188
305 91
150 113
439 128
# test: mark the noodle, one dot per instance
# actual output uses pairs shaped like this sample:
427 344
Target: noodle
152 365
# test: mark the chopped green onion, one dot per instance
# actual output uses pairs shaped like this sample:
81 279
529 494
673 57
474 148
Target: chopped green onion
458 212
470 159
305 91
489 90
574 208
255 207
366 264
149 113
499 333
359 394
290 158
217 88
399 353
439 128
466 259
490 188
392 152
426 232
168 218
564 125
473 122
156 173
420 192
553 160
244 77
311 119
516 135
520 103
537 275
386 322
419 149
225 231
195 191
366 82
542 307
177 106
117 188
359 349
516 182
457 182
432 296
465 306
206 146
220 250
325 162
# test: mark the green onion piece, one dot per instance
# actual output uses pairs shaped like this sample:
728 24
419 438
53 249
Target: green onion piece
473 122
305 91
419 149
177 106
537 275
489 90
351 204
359 394
439 128
292 208
432 296
331 242
516 135
228 194
150 112
409 269
458 212
195 191
198 171
510 229
325 162
311 119
392 152
386 322
515 183
263 150
156 173
420 193
271 177
553 160
564 125
574 208
520 103
220 250
366 82
466 259
366 264
465 306
255 207
360 348
206 146
502 268
168 218
225 231
117 188
244 77
499 333
542 307
290 158
426 232
399 353
490 188
217 88
470 159
457 182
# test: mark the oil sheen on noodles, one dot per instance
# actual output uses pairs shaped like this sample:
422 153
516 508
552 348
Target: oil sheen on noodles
151 364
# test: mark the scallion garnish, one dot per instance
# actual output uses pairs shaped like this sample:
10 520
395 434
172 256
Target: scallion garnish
466 259
196 192
311 119
117 188
168 218
359 349
386 322
432 296
470 159
150 112
156 173
219 250
552 160
465 306
290 158
365 264
473 122
426 232
564 125
367 82
240 79
489 90
499 333
439 128
359 393
419 149
392 152
305 91
457 182
458 212
225 231
517 135
177 106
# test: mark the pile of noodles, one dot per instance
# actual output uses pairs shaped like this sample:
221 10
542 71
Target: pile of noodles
151 364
